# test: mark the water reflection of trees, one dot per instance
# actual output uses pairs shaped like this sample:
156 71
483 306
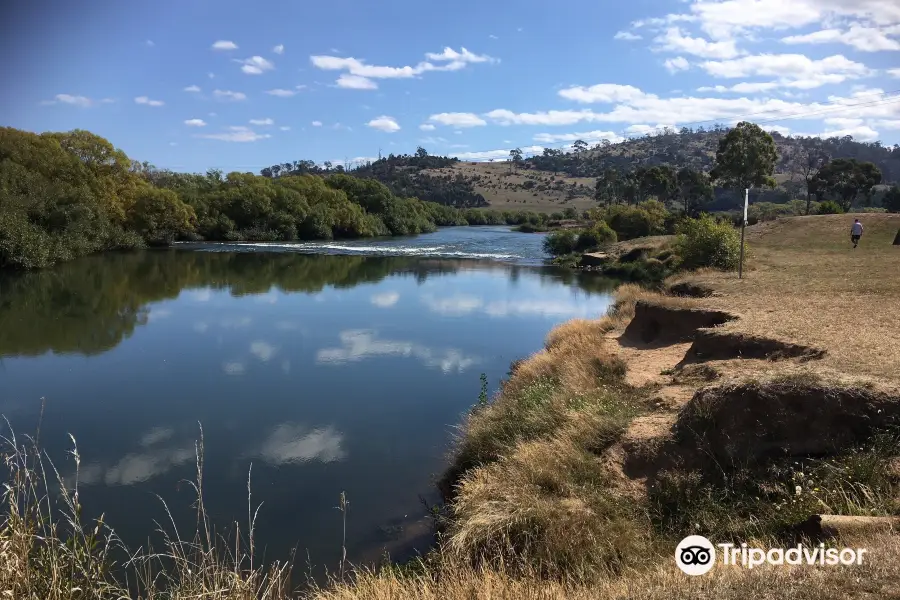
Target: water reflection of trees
90 305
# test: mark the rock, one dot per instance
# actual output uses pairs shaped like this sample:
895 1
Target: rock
594 259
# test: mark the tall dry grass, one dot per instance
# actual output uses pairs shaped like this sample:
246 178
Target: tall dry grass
49 551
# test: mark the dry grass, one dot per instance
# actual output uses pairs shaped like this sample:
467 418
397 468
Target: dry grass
878 578
807 285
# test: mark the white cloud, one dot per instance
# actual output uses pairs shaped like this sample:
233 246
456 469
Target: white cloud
359 75
281 93
266 121
493 37
293 444
316 123
229 95
234 367
255 65
586 136
192 88
674 40
262 350
451 55
279 49
384 123
461 305
357 345
81 101
795 70
742 88
725 19
861 37
224 45
236 133
627 36
602 92
887 123
426 127
355 82
679 63
458 119
147 101
385 300
894 72
195 123
495 154
284 128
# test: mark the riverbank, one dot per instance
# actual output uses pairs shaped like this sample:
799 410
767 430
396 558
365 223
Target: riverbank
722 407
726 407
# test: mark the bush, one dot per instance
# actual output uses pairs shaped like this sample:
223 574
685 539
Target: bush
630 222
559 243
703 242
829 207
599 235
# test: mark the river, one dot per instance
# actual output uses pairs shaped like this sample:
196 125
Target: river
328 367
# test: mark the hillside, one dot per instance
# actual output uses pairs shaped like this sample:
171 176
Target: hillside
555 180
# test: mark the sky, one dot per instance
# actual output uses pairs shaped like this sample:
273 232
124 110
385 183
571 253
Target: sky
195 84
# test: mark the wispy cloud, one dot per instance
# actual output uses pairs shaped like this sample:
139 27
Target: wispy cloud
279 49
192 88
236 133
265 121
195 123
316 123
358 345
255 65
229 95
458 119
290 443
147 101
627 36
355 82
281 93
80 101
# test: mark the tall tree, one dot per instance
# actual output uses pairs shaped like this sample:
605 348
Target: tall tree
745 158
811 158
516 156
891 200
694 190
846 180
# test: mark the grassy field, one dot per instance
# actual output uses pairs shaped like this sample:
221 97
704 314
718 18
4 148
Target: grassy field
606 447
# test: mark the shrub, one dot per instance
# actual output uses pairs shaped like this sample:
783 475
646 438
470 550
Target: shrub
830 207
599 235
559 243
703 242
630 222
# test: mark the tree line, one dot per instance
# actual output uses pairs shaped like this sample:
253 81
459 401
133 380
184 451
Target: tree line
65 195
838 183
404 175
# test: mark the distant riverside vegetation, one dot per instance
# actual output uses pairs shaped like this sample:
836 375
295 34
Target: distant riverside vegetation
65 195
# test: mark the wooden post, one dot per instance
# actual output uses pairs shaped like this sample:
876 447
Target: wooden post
743 227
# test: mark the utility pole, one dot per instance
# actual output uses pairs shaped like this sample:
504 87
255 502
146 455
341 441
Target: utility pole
743 227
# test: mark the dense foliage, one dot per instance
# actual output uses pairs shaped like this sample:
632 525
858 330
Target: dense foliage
846 181
65 195
404 175
706 242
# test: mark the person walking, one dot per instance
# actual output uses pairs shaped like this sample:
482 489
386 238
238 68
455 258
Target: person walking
856 232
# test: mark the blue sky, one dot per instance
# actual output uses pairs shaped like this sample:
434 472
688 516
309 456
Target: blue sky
196 84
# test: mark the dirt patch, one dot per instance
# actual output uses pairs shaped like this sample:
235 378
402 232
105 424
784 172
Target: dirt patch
752 421
660 325
723 345
691 290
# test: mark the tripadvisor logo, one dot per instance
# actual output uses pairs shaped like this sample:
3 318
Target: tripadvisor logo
696 555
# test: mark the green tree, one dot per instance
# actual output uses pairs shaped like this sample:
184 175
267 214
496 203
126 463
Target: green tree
891 200
745 158
515 156
160 217
705 242
694 190
845 180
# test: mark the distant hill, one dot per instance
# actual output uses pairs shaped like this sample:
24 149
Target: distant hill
556 180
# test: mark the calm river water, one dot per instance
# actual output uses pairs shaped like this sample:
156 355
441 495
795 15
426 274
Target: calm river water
327 367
